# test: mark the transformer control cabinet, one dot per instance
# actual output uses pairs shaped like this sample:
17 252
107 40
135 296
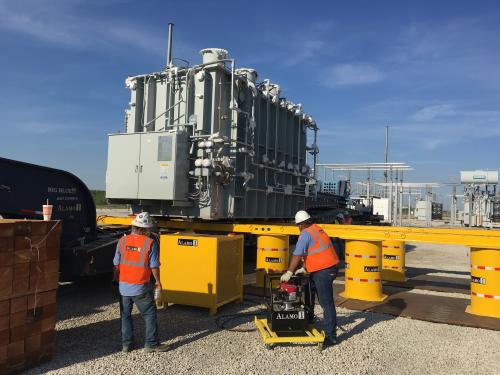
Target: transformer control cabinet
147 166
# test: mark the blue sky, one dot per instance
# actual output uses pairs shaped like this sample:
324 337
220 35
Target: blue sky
429 69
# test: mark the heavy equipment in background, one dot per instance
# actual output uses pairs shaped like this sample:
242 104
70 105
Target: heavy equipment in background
481 201
435 210
24 188
211 142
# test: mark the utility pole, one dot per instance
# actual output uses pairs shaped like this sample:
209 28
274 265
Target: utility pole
453 206
368 186
401 199
396 199
386 152
428 206
390 200
409 206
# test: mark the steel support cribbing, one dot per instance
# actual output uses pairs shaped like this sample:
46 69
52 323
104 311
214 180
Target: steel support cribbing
484 300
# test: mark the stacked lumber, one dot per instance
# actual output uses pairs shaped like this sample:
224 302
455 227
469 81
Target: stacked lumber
29 275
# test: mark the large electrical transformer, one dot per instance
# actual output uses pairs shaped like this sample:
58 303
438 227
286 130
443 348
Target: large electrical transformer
211 142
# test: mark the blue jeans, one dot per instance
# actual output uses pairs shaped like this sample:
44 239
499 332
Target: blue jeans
147 307
322 285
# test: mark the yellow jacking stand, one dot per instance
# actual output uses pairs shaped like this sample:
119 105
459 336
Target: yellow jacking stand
485 285
272 255
310 336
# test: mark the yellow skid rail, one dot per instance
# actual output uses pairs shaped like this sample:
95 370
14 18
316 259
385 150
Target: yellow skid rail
480 238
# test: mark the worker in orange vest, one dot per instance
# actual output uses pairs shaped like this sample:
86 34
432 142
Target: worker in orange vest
136 259
320 260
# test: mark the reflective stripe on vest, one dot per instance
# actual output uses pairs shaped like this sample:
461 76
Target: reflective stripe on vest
134 262
317 238
321 254
141 261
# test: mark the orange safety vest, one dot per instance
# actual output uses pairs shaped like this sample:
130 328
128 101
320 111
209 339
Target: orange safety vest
134 259
320 254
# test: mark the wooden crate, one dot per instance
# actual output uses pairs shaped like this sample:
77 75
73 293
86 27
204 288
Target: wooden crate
29 275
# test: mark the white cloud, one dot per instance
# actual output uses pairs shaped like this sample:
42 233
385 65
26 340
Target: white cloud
463 126
29 127
454 52
350 75
434 111
60 22
439 40
426 124
297 46
304 50
26 24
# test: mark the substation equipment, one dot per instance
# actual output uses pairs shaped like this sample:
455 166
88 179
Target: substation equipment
211 142
425 208
481 202
385 200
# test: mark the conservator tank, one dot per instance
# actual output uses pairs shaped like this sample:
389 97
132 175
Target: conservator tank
211 142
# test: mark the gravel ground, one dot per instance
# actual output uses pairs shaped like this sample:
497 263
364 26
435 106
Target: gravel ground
438 257
88 342
88 337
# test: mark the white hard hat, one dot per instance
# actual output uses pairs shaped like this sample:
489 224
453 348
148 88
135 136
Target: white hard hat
143 220
301 216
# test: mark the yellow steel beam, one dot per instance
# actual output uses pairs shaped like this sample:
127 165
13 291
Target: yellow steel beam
468 237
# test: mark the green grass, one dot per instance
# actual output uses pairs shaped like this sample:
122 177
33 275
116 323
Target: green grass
99 197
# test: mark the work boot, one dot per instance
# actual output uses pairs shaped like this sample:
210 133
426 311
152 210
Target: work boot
158 349
329 342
